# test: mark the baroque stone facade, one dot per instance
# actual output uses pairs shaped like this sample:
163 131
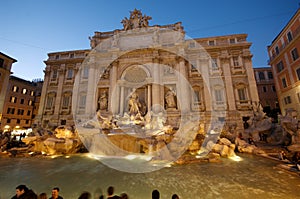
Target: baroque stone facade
155 68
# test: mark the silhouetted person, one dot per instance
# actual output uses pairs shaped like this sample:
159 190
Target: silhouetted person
175 196
124 196
55 193
155 194
85 195
110 193
43 196
20 192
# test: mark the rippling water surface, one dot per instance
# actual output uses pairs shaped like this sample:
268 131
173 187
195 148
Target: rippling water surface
253 177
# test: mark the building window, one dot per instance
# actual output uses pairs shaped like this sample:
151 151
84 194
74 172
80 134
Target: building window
29 102
277 50
284 84
82 101
270 75
295 54
218 96
22 101
69 73
63 122
28 112
20 111
214 64
298 73
50 101
32 93
27 121
289 36
18 121
15 89
211 43
24 91
72 55
264 89
242 95
236 61
10 110
298 94
56 56
1 62
261 75
85 72
280 66
232 41
54 74
287 100
7 120
66 101
273 88
13 99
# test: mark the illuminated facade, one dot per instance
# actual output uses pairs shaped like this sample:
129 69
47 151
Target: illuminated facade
222 78
284 60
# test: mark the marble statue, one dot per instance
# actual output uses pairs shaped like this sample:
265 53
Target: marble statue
136 20
103 101
134 104
170 99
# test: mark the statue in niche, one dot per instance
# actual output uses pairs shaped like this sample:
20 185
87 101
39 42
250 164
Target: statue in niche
134 104
170 98
103 101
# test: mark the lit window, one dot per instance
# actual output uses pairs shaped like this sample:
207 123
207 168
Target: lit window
15 89
32 93
29 102
24 90
13 99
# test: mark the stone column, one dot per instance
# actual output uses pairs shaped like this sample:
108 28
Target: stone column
228 84
122 101
156 96
204 70
113 88
149 97
251 79
59 93
183 87
90 109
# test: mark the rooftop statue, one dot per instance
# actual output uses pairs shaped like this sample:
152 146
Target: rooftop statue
136 20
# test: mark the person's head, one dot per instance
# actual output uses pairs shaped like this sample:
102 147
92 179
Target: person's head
175 196
110 190
21 189
85 195
155 194
124 196
43 196
55 192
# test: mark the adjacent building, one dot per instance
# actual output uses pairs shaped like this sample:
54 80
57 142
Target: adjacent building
157 65
5 71
284 60
267 90
20 103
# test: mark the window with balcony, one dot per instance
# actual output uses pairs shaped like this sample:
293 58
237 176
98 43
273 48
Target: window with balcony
295 54
280 66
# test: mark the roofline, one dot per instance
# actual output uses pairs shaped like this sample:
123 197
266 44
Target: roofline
294 15
68 51
14 60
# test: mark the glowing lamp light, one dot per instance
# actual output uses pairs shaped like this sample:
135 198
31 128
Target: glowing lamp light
6 126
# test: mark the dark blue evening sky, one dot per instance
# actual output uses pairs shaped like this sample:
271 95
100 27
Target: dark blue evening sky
32 28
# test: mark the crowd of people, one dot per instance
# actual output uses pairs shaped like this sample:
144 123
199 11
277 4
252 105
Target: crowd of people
23 192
